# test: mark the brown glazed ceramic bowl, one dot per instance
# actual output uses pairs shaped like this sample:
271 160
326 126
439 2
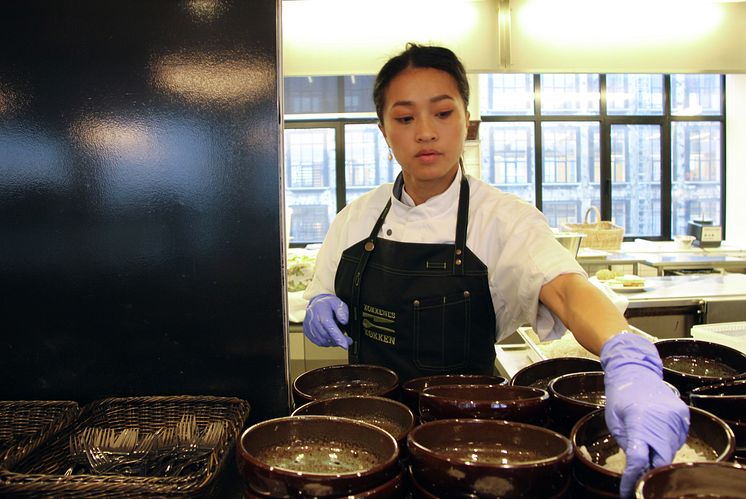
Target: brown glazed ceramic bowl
692 480
539 374
574 395
319 456
411 389
396 488
706 433
344 380
387 414
489 458
689 363
511 403
725 400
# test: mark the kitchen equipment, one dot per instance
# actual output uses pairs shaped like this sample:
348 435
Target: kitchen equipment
511 403
713 480
706 235
601 235
593 445
315 456
489 458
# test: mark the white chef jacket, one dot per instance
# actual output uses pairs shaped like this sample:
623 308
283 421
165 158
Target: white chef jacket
510 236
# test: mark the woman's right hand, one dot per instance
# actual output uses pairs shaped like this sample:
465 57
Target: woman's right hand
323 314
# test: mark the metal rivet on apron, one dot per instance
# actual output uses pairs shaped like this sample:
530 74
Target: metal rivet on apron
458 261
369 246
458 251
417 303
467 294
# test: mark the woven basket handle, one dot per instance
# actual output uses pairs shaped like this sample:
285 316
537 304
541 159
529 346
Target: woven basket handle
588 212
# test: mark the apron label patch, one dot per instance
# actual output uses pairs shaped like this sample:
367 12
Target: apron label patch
378 324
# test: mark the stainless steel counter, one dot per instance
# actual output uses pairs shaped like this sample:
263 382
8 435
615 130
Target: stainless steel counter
685 289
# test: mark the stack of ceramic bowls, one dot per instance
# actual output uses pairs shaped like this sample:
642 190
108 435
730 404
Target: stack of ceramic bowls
411 389
594 474
318 456
728 402
344 380
512 403
488 459
387 414
690 363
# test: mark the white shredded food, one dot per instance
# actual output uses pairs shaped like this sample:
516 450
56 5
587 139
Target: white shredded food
567 346
617 462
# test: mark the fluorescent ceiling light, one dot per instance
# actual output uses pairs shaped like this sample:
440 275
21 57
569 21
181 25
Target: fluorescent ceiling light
613 22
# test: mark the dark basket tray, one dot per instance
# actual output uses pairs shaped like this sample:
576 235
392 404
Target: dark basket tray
42 472
27 424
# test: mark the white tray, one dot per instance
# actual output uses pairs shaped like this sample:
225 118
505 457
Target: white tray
730 334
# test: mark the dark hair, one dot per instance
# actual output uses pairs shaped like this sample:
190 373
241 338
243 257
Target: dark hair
420 56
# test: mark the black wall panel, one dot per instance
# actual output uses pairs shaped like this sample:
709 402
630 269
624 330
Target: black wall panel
140 248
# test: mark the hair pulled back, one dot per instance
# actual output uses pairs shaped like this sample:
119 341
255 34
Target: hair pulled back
420 56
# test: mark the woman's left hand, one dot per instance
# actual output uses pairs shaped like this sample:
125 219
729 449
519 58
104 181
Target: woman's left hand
646 418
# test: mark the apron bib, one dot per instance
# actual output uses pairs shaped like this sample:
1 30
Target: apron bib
419 309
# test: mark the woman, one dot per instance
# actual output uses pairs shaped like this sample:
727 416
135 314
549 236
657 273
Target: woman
427 274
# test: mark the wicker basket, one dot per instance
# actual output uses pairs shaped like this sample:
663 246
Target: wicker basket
27 424
43 472
599 235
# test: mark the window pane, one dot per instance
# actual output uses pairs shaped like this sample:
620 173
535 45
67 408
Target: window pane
695 177
328 94
507 151
571 163
634 95
506 94
310 193
635 177
693 95
570 94
366 162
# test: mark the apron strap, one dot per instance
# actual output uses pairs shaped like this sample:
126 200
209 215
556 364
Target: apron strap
368 248
461 224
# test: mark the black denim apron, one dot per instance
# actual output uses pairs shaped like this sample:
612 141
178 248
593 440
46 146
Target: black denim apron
419 309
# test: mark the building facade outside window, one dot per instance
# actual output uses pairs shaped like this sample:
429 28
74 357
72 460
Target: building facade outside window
645 149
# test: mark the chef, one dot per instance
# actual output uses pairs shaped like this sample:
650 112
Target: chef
425 274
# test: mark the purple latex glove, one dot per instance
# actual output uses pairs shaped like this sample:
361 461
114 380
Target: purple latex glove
643 414
320 325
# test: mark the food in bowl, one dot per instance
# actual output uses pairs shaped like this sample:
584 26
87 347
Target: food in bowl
698 366
693 451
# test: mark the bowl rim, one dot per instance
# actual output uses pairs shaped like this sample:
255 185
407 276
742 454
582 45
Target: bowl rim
553 360
244 454
699 377
383 400
395 381
539 394
567 453
412 385
715 386
567 398
730 448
